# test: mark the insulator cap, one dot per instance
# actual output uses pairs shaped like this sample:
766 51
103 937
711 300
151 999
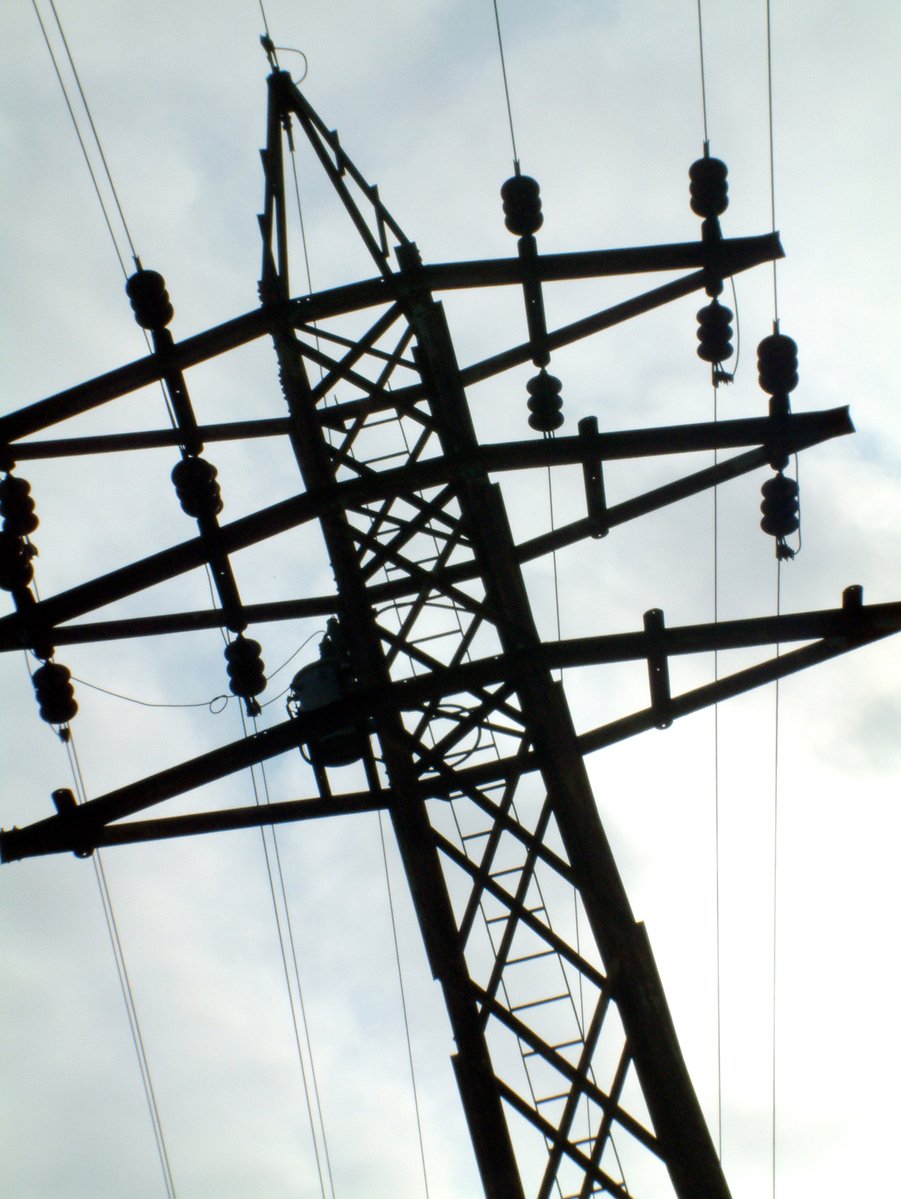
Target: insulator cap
780 506
196 487
149 299
54 693
17 506
715 332
709 190
544 402
522 205
16 571
246 669
777 364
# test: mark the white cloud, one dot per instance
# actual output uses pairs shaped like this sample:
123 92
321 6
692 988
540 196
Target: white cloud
606 103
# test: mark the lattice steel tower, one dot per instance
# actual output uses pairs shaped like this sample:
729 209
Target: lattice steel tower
432 675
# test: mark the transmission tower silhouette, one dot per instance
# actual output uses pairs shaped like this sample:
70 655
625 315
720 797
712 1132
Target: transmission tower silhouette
432 682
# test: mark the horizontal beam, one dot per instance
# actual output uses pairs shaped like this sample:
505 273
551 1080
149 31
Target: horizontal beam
841 630
63 834
790 434
148 439
493 456
726 257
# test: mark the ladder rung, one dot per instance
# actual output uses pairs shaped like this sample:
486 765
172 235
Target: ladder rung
434 637
385 457
518 1007
531 957
555 1048
375 421
506 870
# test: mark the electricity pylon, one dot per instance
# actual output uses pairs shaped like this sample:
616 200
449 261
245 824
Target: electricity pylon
433 682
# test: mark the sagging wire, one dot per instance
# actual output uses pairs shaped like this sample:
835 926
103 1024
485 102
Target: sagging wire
222 699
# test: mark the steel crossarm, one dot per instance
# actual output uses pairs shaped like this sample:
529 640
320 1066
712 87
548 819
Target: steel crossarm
362 488
829 633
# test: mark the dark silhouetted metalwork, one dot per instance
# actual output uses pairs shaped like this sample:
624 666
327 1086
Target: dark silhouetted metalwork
568 1066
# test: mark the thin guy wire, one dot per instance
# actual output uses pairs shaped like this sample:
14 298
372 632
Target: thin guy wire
403 1003
769 77
284 957
500 46
94 130
124 981
703 74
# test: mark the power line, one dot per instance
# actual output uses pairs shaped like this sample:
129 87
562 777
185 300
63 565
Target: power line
97 140
81 141
298 1011
703 73
769 77
134 1024
403 1003
500 46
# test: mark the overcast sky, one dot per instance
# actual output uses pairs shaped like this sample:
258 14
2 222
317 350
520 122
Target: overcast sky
607 113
